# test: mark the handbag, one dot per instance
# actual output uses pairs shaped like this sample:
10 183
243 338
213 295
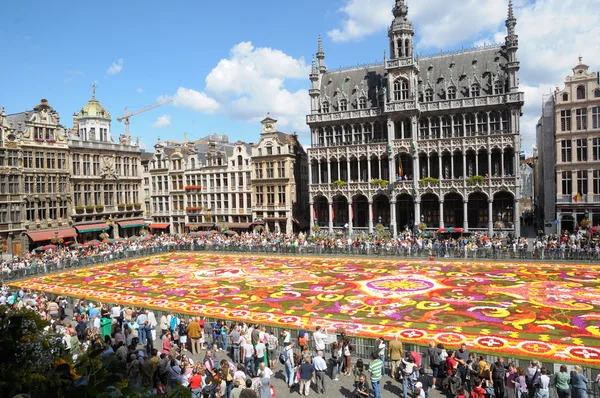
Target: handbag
273 391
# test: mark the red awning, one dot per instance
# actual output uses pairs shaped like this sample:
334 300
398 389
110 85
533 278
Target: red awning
47 235
131 223
159 226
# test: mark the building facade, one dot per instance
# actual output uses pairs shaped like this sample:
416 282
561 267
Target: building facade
432 139
577 142
279 180
106 177
39 178
545 168
203 185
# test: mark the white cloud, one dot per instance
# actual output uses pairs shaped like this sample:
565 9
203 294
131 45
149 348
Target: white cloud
195 100
444 23
162 121
139 90
116 67
251 82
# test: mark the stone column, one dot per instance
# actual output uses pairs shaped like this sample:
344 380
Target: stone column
391 168
348 169
428 165
441 214
417 219
393 218
339 175
370 217
466 215
328 172
416 168
502 162
489 161
309 173
311 210
490 218
440 170
369 178
465 172
451 165
330 216
350 221
517 218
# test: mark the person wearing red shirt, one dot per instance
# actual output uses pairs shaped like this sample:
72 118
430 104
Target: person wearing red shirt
196 383
451 363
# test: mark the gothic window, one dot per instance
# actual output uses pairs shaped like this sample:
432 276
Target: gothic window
482 123
429 95
325 107
498 88
362 103
495 122
400 89
475 90
435 127
424 128
446 126
580 92
565 97
470 124
451 93
458 125
343 105
597 93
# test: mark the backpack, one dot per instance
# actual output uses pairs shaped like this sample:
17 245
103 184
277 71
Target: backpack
436 360
283 357
498 373
182 329
302 341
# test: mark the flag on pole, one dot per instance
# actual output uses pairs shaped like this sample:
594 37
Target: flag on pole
315 211
577 197
400 170
352 212
332 213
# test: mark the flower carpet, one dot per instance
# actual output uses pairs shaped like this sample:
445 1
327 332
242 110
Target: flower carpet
543 311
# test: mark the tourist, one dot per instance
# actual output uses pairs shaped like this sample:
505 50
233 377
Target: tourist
511 381
237 388
362 388
194 335
543 390
578 383
462 356
152 322
248 392
259 350
498 377
307 374
381 351
320 370
425 380
532 377
395 353
235 337
195 383
249 359
376 371
164 324
478 391
338 359
409 374
347 350
183 332
265 382
290 364
272 344
562 381
452 384
319 338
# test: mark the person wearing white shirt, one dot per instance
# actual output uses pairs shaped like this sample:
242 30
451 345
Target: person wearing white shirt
319 339
320 369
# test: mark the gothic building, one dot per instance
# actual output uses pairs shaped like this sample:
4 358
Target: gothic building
433 139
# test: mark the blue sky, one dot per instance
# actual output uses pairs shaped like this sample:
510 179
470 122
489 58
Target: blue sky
229 63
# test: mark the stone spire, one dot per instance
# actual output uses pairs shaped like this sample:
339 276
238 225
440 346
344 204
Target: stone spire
321 56
511 21
400 10
511 46
313 70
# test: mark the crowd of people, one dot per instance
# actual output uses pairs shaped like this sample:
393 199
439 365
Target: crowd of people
477 245
239 360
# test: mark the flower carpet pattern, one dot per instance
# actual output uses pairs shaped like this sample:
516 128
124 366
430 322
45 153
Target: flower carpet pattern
546 311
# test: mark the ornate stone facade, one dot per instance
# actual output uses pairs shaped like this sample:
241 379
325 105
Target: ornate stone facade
577 143
432 139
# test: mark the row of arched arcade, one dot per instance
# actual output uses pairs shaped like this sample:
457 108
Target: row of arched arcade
475 212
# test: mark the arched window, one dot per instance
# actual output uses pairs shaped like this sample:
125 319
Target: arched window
580 92
597 93
451 93
362 103
424 128
498 88
343 105
475 90
565 97
400 89
429 95
193 163
239 160
325 107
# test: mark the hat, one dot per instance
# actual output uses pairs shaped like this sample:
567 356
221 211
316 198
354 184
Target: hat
419 385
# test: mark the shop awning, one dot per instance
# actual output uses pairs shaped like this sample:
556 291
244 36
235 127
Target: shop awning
159 226
239 225
131 223
302 223
56 233
203 225
276 218
450 230
92 227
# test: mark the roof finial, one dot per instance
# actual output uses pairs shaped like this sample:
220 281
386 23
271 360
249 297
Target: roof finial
314 65
94 87
320 45
511 11
580 60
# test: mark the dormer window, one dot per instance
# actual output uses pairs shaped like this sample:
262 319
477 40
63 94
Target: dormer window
475 90
343 105
269 150
451 93
325 107
362 103
498 88
565 97
429 95
597 93
580 92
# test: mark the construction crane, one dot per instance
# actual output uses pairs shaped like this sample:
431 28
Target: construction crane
126 115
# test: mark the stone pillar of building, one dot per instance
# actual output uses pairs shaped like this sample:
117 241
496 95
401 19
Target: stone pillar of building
309 173
452 165
417 211
417 168
330 206
339 174
559 219
502 163
348 169
465 172
466 215
311 210
370 216
350 221
369 178
441 202
489 156
517 216
477 163
328 172
393 218
490 218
